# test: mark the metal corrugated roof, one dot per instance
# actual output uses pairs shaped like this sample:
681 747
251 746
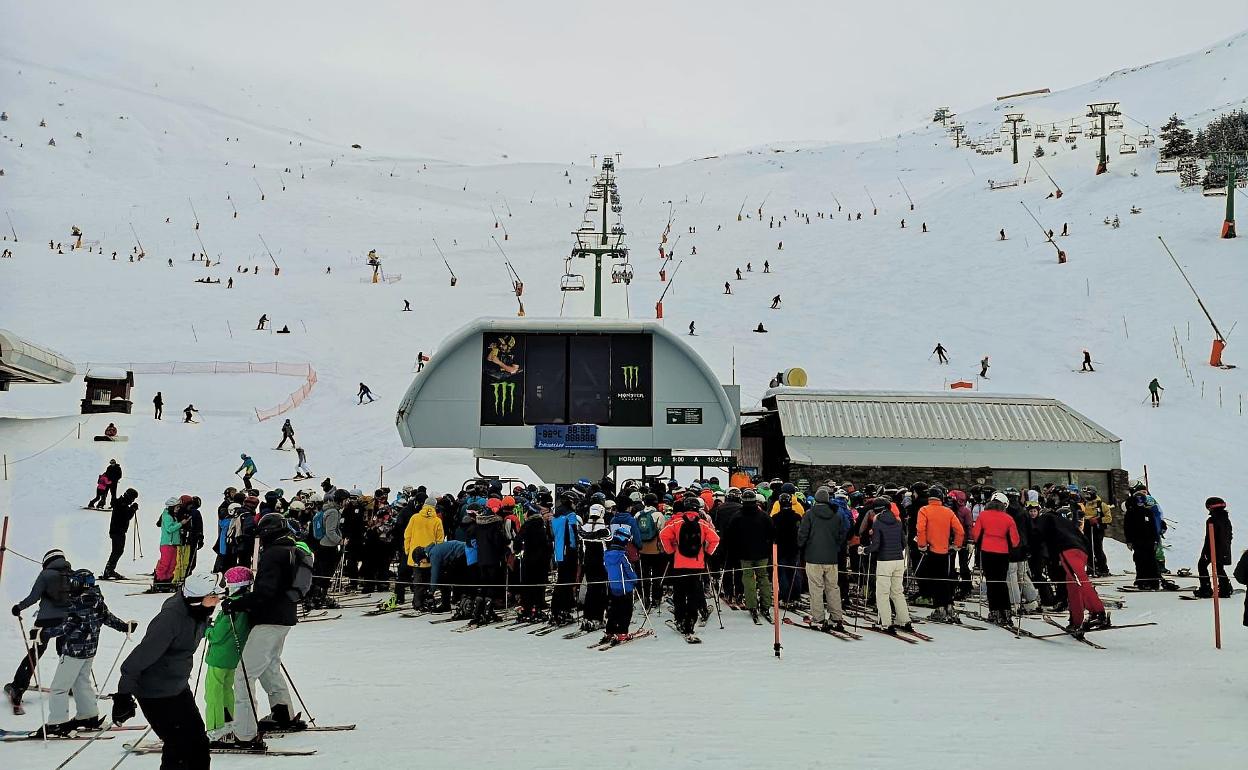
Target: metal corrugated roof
881 414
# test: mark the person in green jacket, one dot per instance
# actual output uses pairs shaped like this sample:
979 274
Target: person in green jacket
226 636
170 539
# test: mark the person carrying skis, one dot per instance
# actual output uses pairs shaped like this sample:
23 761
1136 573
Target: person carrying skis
157 675
937 529
940 354
79 638
364 391
248 469
888 542
159 404
282 580
1154 392
1220 520
688 538
1060 531
288 434
996 536
124 509
227 635
752 536
822 534
621 582
50 590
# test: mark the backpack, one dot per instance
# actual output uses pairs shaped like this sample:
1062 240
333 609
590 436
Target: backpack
646 526
689 538
318 525
301 582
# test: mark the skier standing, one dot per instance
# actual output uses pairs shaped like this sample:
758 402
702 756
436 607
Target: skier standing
688 538
227 635
101 492
301 470
1097 515
49 590
535 545
264 319
1087 362
822 535
325 541
937 530
157 673
595 535
996 536
170 539
1222 534
283 575
423 530
1064 540
159 404
888 541
565 528
751 535
79 638
248 469
1143 537
288 434
124 510
653 560
622 581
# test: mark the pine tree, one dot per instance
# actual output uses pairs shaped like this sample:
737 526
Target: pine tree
1225 133
1189 173
1176 139
1039 153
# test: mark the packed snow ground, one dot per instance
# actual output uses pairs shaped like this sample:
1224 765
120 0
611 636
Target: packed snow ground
864 302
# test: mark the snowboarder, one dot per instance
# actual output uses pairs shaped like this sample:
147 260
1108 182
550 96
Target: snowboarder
124 509
248 469
924 227
157 673
775 302
187 412
48 591
159 404
1221 523
264 319
759 329
301 469
364 391
282 579
691 329
983 367
288 434
1065 229
79 638
940 354
688 538
1087 362
727 288
1154 392
766 266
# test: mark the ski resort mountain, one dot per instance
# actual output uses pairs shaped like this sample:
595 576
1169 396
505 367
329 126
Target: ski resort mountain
288 213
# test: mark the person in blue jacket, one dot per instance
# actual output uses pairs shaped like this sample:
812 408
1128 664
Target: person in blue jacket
563 528
621 581
447 562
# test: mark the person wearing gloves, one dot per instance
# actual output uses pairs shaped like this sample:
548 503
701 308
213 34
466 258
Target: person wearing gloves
996 535
157 674
79 638
423 529
170 539
49 591
888 543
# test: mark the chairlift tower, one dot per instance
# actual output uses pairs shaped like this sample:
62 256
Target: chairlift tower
958 129
1235 163
1014 118
607 241
1103 110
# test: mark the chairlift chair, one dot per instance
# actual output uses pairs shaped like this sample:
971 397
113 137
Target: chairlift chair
1126 149
572 282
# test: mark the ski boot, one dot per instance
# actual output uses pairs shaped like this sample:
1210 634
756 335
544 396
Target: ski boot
389 603
327 603
280 719
766 613
59 730
590 625
1095 620
607 639
907 627
256 744
14 695
86 723
111 574
1073 630
754 615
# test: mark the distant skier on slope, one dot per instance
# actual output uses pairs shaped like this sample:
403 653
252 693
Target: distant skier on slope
775 302
1154 392
264 319
364 391
248 469
187 412
691 331
727 288
983 367
1087 362
301 470
159 404
288 434
939 352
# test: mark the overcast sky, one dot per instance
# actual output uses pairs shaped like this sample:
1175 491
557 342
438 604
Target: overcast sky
660 81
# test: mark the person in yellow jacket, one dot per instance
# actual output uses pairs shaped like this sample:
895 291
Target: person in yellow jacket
423 530
798 508
1097 516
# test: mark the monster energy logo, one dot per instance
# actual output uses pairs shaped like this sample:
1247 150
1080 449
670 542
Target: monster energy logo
504 397
632 374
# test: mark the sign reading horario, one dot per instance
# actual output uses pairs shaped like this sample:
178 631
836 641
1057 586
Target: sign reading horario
565 396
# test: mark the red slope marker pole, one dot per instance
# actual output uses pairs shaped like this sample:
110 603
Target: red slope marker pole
1213 577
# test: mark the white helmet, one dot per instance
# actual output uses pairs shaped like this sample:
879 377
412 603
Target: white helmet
199 586
596 510
999 497
296 505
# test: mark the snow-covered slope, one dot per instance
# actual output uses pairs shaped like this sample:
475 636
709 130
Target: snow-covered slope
863 304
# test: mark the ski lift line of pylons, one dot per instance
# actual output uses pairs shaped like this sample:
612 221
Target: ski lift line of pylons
517 285
658 306
454 279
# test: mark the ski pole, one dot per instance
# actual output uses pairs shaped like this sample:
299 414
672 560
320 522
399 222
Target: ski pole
718 615
302 705
34 667
130 750
108 724
662 581
250 698
116 660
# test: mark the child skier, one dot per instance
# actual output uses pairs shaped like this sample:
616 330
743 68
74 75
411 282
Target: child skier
80 639
621 582
226 636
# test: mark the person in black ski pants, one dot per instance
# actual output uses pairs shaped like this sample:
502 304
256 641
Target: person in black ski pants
1221 522
158 672
113 472
48 591
124 509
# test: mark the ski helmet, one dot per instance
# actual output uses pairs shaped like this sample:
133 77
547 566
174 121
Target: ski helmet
271 525
1000 498
199 586
936 492
1214 502
596 511
735 494
81 580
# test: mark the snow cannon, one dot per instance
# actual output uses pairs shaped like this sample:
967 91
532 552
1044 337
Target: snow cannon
1215 354
658 309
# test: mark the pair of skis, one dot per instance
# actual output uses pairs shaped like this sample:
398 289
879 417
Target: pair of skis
845 636
641 633
157 746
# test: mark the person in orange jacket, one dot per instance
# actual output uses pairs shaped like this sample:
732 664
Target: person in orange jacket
937 531
996 535
688 537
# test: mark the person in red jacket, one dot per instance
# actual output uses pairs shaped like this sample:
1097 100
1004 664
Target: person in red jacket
937 531
688 537
995 535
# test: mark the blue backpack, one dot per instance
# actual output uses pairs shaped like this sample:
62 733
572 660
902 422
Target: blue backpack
318 525
646 525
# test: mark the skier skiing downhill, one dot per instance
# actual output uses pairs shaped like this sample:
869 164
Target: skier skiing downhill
301 470
365 392
1154 392
983 367
248 469
1087 362
939 352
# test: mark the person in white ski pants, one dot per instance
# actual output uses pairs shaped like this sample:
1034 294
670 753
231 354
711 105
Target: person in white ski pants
1018 579
261 659
73 675
890 598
